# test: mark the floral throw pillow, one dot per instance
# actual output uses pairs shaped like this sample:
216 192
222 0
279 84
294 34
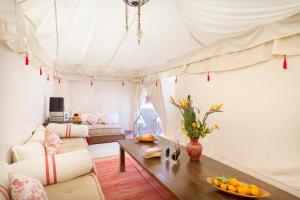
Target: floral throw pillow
92 119
52 143
26 188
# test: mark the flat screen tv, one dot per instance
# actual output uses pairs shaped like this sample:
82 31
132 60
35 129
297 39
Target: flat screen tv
56 104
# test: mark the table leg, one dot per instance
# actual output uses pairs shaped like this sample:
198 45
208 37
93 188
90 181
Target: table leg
122 160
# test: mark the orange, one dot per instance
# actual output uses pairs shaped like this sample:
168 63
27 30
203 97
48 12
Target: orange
252 186
254 191
223 186
216 182
234 182
231 188
243 190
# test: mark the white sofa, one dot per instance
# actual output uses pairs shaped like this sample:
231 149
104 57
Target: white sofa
84 186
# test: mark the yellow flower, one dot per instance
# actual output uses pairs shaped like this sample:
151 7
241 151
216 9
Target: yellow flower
216 126
183 103
194 125
216 107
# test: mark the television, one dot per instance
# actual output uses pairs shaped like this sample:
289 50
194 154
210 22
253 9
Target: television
56 104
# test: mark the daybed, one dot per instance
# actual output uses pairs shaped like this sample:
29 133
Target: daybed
101 133
103 127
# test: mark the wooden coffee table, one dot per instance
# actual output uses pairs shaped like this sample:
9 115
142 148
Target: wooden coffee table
187 179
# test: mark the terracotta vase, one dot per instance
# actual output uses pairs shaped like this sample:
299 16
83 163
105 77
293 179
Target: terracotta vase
194 149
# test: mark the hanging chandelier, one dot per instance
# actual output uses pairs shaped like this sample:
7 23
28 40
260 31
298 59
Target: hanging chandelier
138 4
135 3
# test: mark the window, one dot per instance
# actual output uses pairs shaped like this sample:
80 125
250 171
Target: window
148 122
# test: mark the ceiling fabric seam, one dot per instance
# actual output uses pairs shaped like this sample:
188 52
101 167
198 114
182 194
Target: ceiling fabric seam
57 40
121 42
21 2
67 38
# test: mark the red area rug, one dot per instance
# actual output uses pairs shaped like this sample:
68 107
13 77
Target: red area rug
134 184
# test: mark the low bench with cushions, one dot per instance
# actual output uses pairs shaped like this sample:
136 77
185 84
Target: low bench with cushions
68 174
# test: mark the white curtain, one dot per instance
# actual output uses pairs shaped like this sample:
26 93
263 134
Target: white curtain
137 102
155 94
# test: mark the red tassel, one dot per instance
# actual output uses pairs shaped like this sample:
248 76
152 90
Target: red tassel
284 62
92 83
123 83
41 70
208 77
59 81
176 79
26 59
48 77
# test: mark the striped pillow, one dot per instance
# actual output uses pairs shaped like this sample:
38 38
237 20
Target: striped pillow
57 168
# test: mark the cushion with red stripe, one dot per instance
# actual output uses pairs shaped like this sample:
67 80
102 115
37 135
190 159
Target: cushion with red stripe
69 130
56 168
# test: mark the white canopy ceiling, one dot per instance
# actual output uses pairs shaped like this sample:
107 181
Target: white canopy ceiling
92 38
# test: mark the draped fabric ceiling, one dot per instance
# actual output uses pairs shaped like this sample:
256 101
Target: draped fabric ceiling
78 39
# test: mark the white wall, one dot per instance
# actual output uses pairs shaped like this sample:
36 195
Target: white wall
260 128
103 97
24 97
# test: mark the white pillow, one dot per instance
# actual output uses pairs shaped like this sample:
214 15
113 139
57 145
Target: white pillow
113 118
5 170
24 187
84 116
92 119
102 118
38 135
33 148
27 151
68 130
56 168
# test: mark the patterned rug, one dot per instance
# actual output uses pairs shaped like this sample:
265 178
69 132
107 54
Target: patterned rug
134 184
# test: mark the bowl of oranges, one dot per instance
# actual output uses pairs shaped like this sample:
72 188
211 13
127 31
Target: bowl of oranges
235 187
148 138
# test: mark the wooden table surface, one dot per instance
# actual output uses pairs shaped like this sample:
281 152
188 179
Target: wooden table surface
187 179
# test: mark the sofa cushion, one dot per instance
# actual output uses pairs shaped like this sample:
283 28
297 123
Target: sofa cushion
24 187
27 151
5 170
83 187
73 144
38 135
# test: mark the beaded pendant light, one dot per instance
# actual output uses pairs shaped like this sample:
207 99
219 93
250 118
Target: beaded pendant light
138 4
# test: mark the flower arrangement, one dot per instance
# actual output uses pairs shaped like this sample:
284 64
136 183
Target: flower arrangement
191 124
